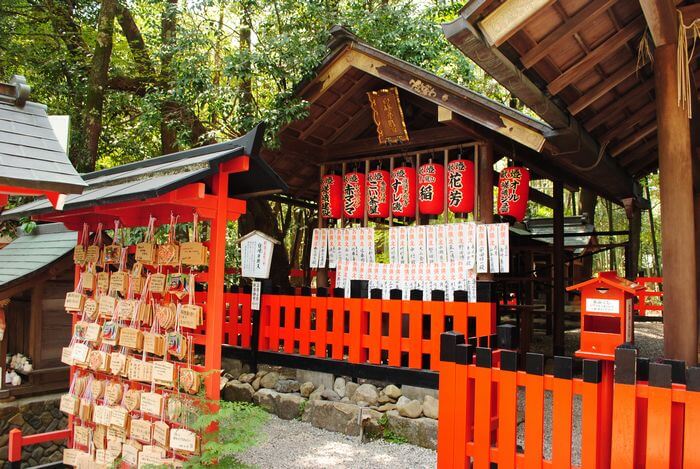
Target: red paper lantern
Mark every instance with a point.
(354, 195)
(331, 196)
(403, 192)
(378, 193)
(431, 188)
(513, 192)
(460, 186)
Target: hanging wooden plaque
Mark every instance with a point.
(193, 253)
(103, 281)
(161, 433)
(388, 116)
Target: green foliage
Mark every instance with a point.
(239, 426)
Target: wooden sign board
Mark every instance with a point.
(388, 116)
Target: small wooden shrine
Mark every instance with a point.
(36, 272)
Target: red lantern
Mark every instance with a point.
(431, 188)
(460, 186)
(331, 196)
(403, 192)
(378, 194)
(513, 192)
(354, 195)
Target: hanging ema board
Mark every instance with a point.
(256, 254)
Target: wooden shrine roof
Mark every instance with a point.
(157, 176)
(31, 254)
(30, 155)
(577, 64)
(438, 112)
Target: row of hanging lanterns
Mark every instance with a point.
(396, 193)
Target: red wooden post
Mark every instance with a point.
(320, 305)
(482, 411)
(447, 413)
(691, 450)
(414, 309)
(659, 418)
(562, 405)
(14, 454)
(393, 307)
(507, 409)
(374, 306)
(534, 410)
(303, 304)
(354, 308)
(624, 424)
(590, 415)
(336, 306)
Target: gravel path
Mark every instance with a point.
(294, 444)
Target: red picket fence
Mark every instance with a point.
(626, 424)
(654, 285)
(358, 330)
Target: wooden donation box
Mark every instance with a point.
(606, 314)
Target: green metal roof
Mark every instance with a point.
(32, 253)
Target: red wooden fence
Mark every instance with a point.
(654, 422)
(654, 285)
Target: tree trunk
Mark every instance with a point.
(611, 227)
(97, 79)
(168, 132)
(588, 201)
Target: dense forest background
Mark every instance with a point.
(141, 78)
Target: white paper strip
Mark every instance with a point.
(333, 247)
(504, 246)
(430, 243)
(420, 246)
(441, 242)
(470, 244)
(482, 262)
(471, 286)
(313, 259)
(494, 260)
(322, 247)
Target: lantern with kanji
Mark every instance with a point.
(513, 192)
(331, 196)
(378, 193)
(403, 192)
(460, 186)
(354, 195)
(431, 188)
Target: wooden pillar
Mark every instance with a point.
(634, 221)
(486, 158)
(558, 270)
(677, 213)
(588, 201)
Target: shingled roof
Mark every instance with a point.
(157, 176)
(30, 154)
(33, 253)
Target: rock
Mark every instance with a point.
(420, 432)
(333, 416)
(287, 385)
(318, 378)
(269, 381)
(330, 395)
(418, 393)
(384, 399)
(256, 384)
(317, 394)
(430, 407)
(366, 393)
(242, 392)
(403, 400)
(306, 389)
(392, 391)
(339, 387)
(350, 389)
(261, 373)
(234, 366)
(413, 409)
(386, 407)
(362, 404)
(267, 399)
(345, 399)
(247, 378)
(289, 406)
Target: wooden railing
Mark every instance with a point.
(17, 441)
(647, 417)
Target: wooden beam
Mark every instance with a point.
(651, 159)
(633, 139)
(571, 26)
(353, 127)
(690, 12)
(474, 8)
(418, 138)
(661, 19)
(639, 116)
(447, 117)
(619, 105)
(608, 83)
(597, 55)
(508, 18)
(638, 152)
(359, 84)
(558, 298)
